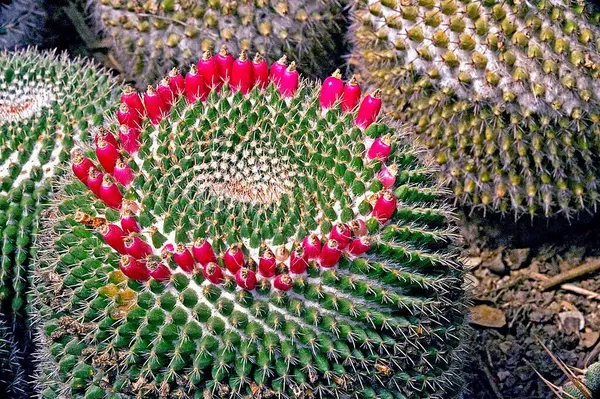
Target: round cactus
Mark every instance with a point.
(45, 102)
(150, 36)
(504, 93)
(20, 22)
(584, 387)
(264, 236)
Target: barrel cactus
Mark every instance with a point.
(150, 36)
(46, 101)
(504, 93)
(263, 236)
(20, 22)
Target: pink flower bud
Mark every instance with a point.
(225, 63)
(107, 155)
(351, 95)
(358, 227)
(277, 70)
(283, 282)
(94, 181)
(213, 273)
(298, 260)
(133, 100)
(241, 74)
(113, 236)
(195, 88)
(387, 176)
(342, 234)
(137, 247)
(385, 206)
(359, 246)
(166, 94)
(368, 110)
(155, 107)
(107, 136)
(134, 269)
(331, 90)
(110, 193)
(267, 263)
(208, 68)
(312, 246)
(81, 167)
(129, 223)
(260, 72)
(129, 117)
(130, 139)
(176, 82)
(160, 271)
(245, 278)
(203, 252)
(380, 149)
(184, 258)
(289, 81)
(330, 254)
(123, 173)
(167, 249)
(234, 259)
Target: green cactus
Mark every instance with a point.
(46, 101)
(21, 22)
(587, 387)
(151, 36)
(261, 248)
(503, 93)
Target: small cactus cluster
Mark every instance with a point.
(45, 102)
(586, 387)
(150, 36)
(20, 23)
(503, 93)
(243, 232)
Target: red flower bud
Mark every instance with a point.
(385, 206)
(107, 136)
(129, 117)
(245, 278)
(342, 234)
(234, 259)
(155, 107)
(358, 227)
(283, 282)
(298, 260)
(351, 95)
(213, 273)
(107, 155)
(330, 254)
(260, 72)
(110, 193)
(331, 90)
(277, 70)
(81, 167)
(123, 173)
(160, 271)
(208, 68)
(225, 63)
(203, 252)
(267, 263)
(359, 246)
(368, 110)
(130, 139)
(184, 258)
(94, 181)
(129, 223)
(241, 74)
(113, 236)
(134, 269)
(133, 100)
(137, 247)
(166, 94)
(195, 88)
(312, 246)
(289, 81)
(380, 149)
(176, 82)
(167, 249)
(387, 176)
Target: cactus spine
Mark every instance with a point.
(505, 94)
(20, 23)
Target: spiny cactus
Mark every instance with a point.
(585, 384)
(150, 36)
(504, 93)
(45, 102)
(252, 239)
(20, 22)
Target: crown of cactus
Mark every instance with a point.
(585, 387)
(45, 101)
(262, 237)
(153, 35)
(20, 22)
(504, 93)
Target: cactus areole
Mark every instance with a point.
(256, 252)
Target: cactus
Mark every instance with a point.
(20, 23)
(583, 386)
(265, 237)
(45, 102)
(503, 93)
(148, 37)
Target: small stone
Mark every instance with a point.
(495, 263)
(589, 338)
(517, 258)
(571, 322)
(472, 262)
(487, 316)
(503, 374)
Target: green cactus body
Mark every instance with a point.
(45, 101)
(310, 288)
(150, 37)
(504, 94)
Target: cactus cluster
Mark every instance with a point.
(261, 236)
(151, 36)
(586, 386)
(504, 93)
(20, 22)
(45, 102)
